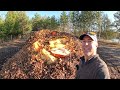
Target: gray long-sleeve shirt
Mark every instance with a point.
(95, 68)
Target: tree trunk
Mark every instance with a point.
(11, 37)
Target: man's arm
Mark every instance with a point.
(103, 73)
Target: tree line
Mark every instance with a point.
(18, 23)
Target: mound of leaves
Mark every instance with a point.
(46, 55)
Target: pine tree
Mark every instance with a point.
(63, 20)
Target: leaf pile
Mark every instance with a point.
(31, 63)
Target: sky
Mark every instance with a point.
(56, 13)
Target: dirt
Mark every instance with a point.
(110, 53)
(8, 49)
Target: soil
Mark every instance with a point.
(110, 53)
(8, 49)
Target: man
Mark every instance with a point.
(91, 65)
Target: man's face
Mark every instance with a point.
(89, 46)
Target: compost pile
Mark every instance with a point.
(46, 55)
